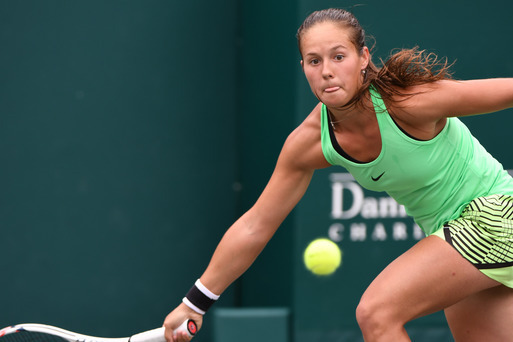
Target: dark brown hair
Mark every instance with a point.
(404, 68)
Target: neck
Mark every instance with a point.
(347, 117)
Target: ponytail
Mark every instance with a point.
(406, 68)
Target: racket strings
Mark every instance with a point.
(29, 336)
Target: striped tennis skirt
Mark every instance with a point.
(483, 235)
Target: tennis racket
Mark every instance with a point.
(48, 333)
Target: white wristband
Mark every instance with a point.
(206, 291)
(192, 306)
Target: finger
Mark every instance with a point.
(169, 335)
(181, 336)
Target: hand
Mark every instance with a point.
(176, 318)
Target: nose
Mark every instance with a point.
(326, 71)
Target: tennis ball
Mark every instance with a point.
(322, 256)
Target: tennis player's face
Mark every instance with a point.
(332, 65)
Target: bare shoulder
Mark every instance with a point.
(303, 149)
(422, 103)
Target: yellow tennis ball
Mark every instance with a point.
(322, 256)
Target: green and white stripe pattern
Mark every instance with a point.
(483, 234)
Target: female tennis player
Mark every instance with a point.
(397, 123)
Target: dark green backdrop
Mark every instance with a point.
(117, 135)
(133, 133)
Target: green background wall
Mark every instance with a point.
(134, 132)
(117, 135)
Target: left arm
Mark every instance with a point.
(477, 96)
(461, 98)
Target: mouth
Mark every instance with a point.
(331, 89)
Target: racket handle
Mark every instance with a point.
(157, 335)
(189, 326)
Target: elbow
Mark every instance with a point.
(258, 230)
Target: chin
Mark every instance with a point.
(334, 104)
(340, 103)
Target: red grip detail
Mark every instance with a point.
(192, 327)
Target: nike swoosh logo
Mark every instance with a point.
(378, 177)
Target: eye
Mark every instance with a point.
(339, 57)
(314, 61)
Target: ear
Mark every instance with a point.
(302, 65)
(365, 56)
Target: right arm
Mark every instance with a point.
(247, 237)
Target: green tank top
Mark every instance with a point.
(433, 179)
